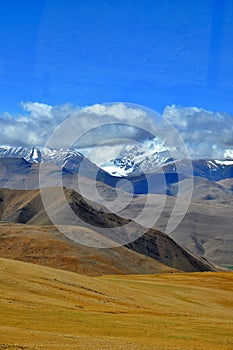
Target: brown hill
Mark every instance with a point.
(205, 230)
(227, 183)
(26, 207)
(206, 191)
(47, 246)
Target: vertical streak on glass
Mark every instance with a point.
(215, 42)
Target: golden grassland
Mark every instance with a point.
(45, 308)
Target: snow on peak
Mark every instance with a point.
(34, 156)
(138, 158)
(224, 162)
(38, 154)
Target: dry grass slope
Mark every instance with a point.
(44, 308)
(47, 246)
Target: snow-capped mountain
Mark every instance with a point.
(136, 159)
(32, 155)
(132, 161)
(153, 157)
(214, 170)
(67, 159)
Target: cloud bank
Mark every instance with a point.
(206, 134)
(38, 121)
(34, 125)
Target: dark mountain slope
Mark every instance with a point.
(26, 207)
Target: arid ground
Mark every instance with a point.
(44, 308)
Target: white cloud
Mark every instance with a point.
(34, 125)
(39, 120)
(116, 123)
(37, 109)
(205, 133)
(121, 112)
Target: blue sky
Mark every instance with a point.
(154, 53)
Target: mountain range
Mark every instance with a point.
(134, 163)
(205, 230)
